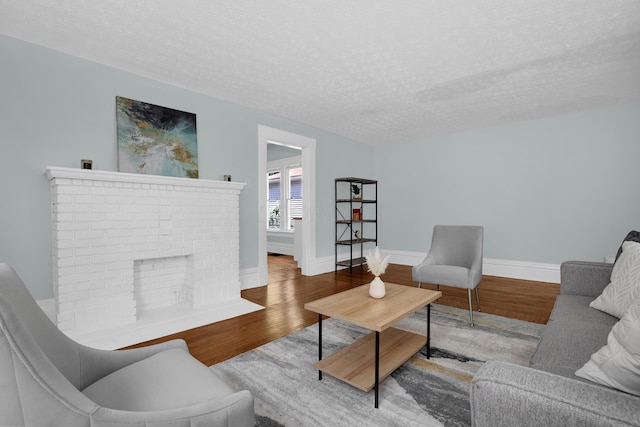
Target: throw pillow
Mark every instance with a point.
(617, 364)
(633, 236)
(624, 287)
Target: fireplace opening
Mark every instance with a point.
(163, 282)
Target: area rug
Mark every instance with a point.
(422, 392)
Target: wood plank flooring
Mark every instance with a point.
(287, 292)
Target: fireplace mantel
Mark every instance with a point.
(101, 175)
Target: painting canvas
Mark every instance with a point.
(156, 140)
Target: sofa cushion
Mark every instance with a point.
(633, 236)
(167, 380)
(576, 307)
(566, 345)
(624, 287)
(617, 364)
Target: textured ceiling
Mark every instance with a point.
(375, 71)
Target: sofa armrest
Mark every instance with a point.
(584, 278)
(503, 394)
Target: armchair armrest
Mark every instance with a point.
(475, 273)
(503, 394)
(584, 278)
(427, 261)
(95, 363)
(233, 410)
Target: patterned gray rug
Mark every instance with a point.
(422, 392)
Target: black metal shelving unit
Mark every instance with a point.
(355, 232)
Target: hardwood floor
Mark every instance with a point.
(287, 292)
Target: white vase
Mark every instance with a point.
(376, 288)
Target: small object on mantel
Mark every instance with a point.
(86, 164)
(227, 178)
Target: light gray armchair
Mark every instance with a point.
(47, 379)
(454, 259)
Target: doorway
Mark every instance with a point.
(307, 147)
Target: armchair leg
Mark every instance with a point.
(470, 307)
(477, 298)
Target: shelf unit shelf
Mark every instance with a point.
(353, 241)
(356, 200)
(357, 231)
(348, 221)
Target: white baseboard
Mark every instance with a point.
(325, 264)
(249, 278)
(524, 270)
(536, 271)
(405, 258)
(280, 248)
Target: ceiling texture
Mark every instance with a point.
(375, 71)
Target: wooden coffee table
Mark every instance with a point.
(369, 360)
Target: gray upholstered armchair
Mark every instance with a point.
(47, 379)
(454, 259)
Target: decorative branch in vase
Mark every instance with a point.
(377, 266)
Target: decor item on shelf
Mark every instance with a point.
(355, 188)
(356, 215)
(154, 140)
(86, 164)
(377, 266)
(356, 233)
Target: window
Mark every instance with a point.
(284, 194)
(295, 195)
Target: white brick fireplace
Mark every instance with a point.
(126, 246)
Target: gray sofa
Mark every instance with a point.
(547, 393)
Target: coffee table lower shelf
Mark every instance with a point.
(355, 364)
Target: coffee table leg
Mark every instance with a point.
(319, 343)
(377, 383)
(428, 331)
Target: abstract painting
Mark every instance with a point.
(154, 140)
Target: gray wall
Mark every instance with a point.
(56, 109)
(546, 190)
